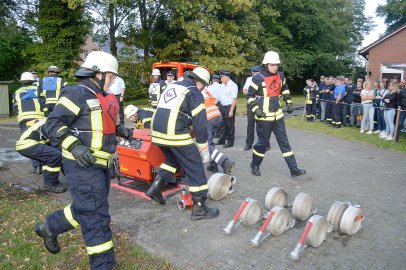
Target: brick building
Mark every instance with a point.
(386, 57)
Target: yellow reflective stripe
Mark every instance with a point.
(198, 109)
(21, 145)
(287, 154)
(96, 120)
(69, 105)
(146, 120)
(171, 137)
(253, 85)
(101, 154)
(51, 169)
(173, 115)
(99, 248)
(170, 142)
(68, 141)
(58, 88)
(286, 92)
(197, 189)
(168, 168)
(99, 160)
(30, 115)
(257, 153)
(61, 128)
(69, 217)
(289, 101)
(266, 105)
(255, 108)
(250, 100)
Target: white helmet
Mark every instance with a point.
(130, 110)
(100, 62)
(54, 69)
(271, 57)
(27, 76)
(156, 71)
(201, 74)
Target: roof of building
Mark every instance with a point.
(365, 51)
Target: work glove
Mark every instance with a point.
(290, 107)
(259, 113)
(83, 155)
(204, 153)
(123, 132)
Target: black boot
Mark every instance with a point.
(227, 165)
(297, 172)
(201, 211)
(155, 190)
(255, 170)
(212, 167)
(50, 240)
(57, 188)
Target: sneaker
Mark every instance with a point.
(377, 131)
(369, 132)
(362, 131)
(389, 138)
(383, 136)
(382, 133)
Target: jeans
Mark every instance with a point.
(389, 115)
(368, 115)
(380, 118)
(323, 110)
(356, 109)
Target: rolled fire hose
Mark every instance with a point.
(303, 206)
(276, 197)
(318, 231)
(280, 222)
(313, 235)
(252, 213)
(335, 214)
(351, 220)
(220, 185)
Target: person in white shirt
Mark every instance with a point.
(117, 88)
(170, 78)
(215, 87)
(228, 100)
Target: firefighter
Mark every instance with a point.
(156, 88)
(28, 108)
(263, 99)
(311, 93)
(34, 144)
(330, 100)
(141, 117)
(50, 88)
(84, 123)
(213, 121)
(339, 93)
(181, 106)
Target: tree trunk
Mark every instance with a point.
(112, 31)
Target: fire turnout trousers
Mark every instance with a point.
(345, 113)
(329, 112)
(227, 126)
(50, 157)
(264, 130)
(89, 210)
(337, 114)
(188, 158)
(215, 154)
(23, 127)
(250, 127)
(311, 110)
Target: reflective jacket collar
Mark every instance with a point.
(265, 72)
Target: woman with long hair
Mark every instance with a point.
(389, 112)
(367, 96)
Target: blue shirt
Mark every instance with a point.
(339, 90)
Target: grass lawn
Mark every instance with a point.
(349, 133)
(21, 248)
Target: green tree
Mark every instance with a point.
(394, 13)
(62, 31)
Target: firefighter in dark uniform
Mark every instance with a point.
(34, 143)
(330, 100)
(311, 93)
(263, 98)
(28, 108)
(50, 88)
(141, 117)
(156, 88)
(84, 123)
(181, 106)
